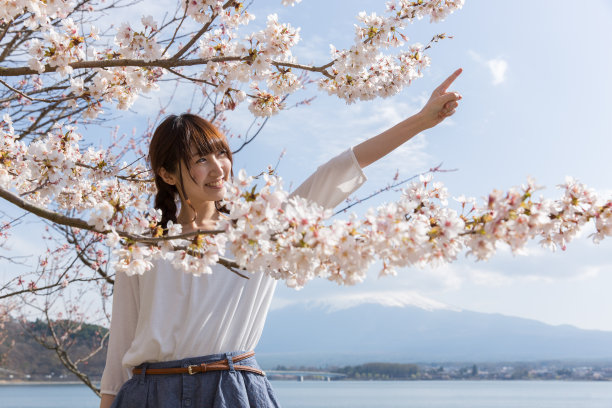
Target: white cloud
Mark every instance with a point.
(281, 302)
(445, 278)
(534, 264)
(482, 277)
(453, 277)
(496, 66)
(590, 272)
(503, 270)
(532, 250)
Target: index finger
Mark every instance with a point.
(448, 81)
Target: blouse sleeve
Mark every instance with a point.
(334, 181)
(123, 328)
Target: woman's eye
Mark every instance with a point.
(219, 153)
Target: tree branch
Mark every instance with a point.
(36, 99)
(63, 356)
(159, 63)
(44, 213)
(61, 219)
(322, 69)
(178, 26)
(6, 28)
(193, 39)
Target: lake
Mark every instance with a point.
(362, 394)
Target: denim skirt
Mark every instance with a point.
(213, 389)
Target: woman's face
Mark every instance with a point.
(208, 176)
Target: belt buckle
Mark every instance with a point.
(191, 368)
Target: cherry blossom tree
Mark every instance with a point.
(60, 72)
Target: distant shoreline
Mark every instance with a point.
(23, 382)
(18, 382)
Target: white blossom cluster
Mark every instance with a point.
(139, 44)
(514, 218)
(200, 10)
(110, 84)
(363, 72)
(438, 10)
(262, 60)
(40, 12)
(57, 49)
(261, 52)
(120, 84)
(294, 240)
(195, 255)
(271, 228)
(55, 172)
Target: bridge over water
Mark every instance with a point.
(301, 374)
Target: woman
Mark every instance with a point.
(184, 340)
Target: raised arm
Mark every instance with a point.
(441, 105)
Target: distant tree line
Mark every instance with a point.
(381, 371)
(30, 352)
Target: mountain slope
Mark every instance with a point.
(307, 334)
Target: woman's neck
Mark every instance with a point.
(204, 217)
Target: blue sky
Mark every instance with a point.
(535, 88)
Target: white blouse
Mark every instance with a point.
(167, 315)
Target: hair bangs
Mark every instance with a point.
(203, 137)
(206, 140)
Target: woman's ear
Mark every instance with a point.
(168, 177)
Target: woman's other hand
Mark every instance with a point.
(442, 103)
(107, 400)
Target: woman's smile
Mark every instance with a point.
(218, 184)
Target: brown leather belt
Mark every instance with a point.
(220, 365)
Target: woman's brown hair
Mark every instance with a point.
(176, 140)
